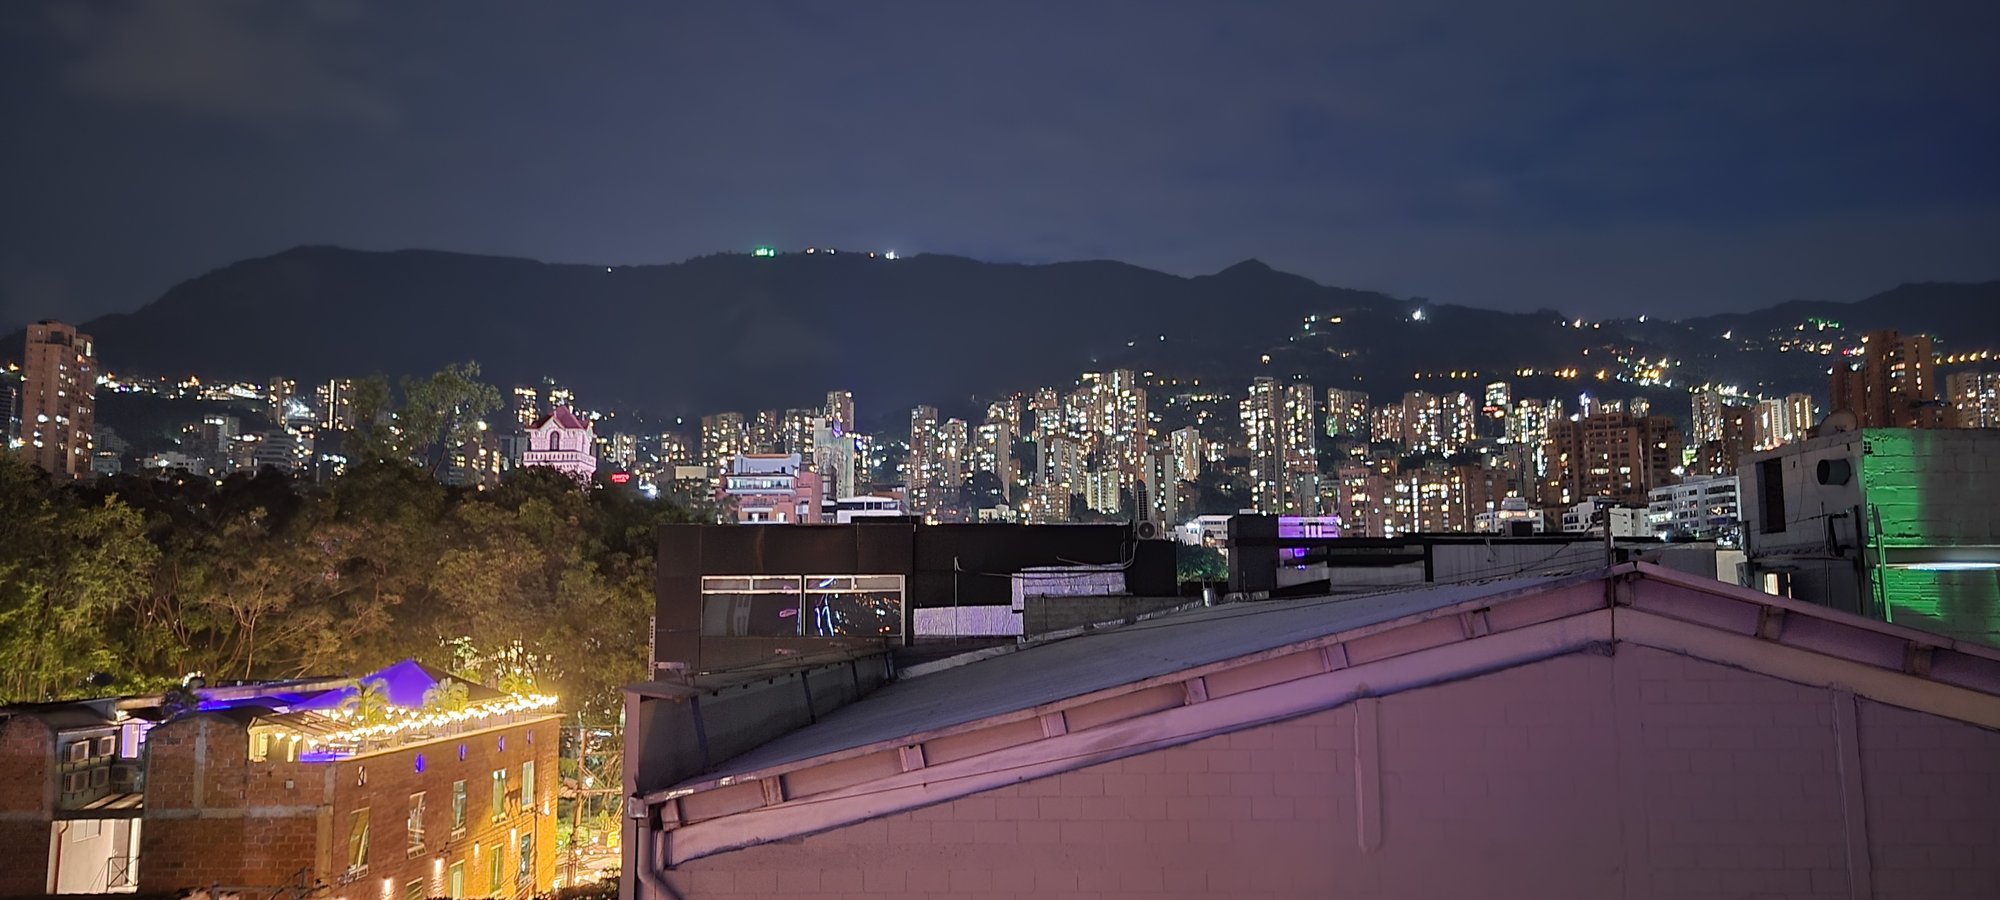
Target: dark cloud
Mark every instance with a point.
(1586, 156)
(234, 59)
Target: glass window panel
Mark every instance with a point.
(750, 606)
(853, 606)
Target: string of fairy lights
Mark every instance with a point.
(405, 720)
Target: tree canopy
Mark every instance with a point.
(130, 584)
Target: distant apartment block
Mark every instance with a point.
(59, 399)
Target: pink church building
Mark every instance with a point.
(565, 442)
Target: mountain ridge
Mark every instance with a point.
(736, 331)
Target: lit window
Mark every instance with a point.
(499, 794)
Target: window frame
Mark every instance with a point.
(358, 836)
(413, 825)
(499, 795)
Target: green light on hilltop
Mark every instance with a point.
(763, 251)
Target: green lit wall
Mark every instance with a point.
(1936, 488)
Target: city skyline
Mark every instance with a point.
(1292, 449)
(1120, 445)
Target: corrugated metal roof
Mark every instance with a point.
(1080, 665)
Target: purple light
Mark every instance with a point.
(420, 764)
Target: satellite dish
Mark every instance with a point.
(1838, 422)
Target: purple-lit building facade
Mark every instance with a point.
(415, 790)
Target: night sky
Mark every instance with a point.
(1584, 156)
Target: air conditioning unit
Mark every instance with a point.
(1149, 531)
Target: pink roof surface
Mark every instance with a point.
(563, 418)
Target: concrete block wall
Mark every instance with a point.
(1041, 615)
(1932, 786)
(1938, 488)
(1934, 486)
(1640, 775)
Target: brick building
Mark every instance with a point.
(1892, 385)
(1613, 454)
(285, 785)
(1627, 732)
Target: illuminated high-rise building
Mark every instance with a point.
(559, 395)
(1385, 423)
(59, 399)
(335, 400)
(1100, 491)
(954, 448)
(1277, 427)
(279, 393)
(1736, 436)
(1709, 408)
(10, 408)
(1429, 499)
(1499, 401)
(1799, 418)
(1438, 423)
(1528, 424)
(1185, 446)
(1364, 500)
(767, 431)
(1158, 491)
(993, 451)
(1300, 448)
(839, 411)
(1257, 418)
(1062, 464)
(795, 432)
(1782, 421)
(923, 467)
(1893, 385)
(1974, 398)
(1047, 410)
(1107, 413)
(1346, 413)
(527, 407)
(1006, 412)
(1770, 423)
(1616, 455)
(723, 437)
